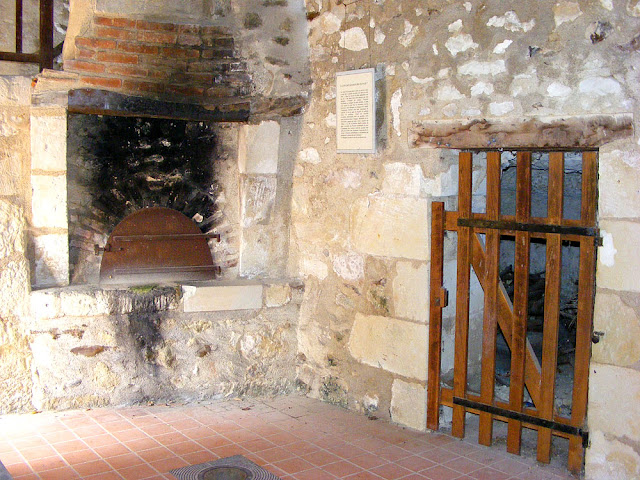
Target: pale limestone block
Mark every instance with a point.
(349, 266)
(614, 395)
(12, 233)
(277, 295)
(409, 404)
(621, 327)
(460, 43)
(402, 179)
(609, 459)
(621, 255)
(394, 345)
(14, 288)
(222, 298)
(15, 90)
(566, 12)
(258, 197)
(411, 291)
(313, 267)
(49, 201)
(45, 305)
(51, 260)
(619, 177)
(391, 227)
(633, 8)
(354, 39)
(49, 142)
(258, 147)
(104, 377)
(84, 304)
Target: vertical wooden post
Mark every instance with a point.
(492, 280)
(586, 284)
(46, 34)
(18, 26)
(520, 300)
(436, 304)
(551, 304)
(462, 294)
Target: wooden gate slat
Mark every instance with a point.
(505, 321)
(553, 280)
(520, 301)
(586, 283)
(435, 314)
(462, 293)
(492, 280)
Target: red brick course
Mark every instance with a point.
(186, 62)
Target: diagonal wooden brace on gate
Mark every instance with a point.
(505, 321)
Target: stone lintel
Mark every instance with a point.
(570, 132)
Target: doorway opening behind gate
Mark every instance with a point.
(512, 286)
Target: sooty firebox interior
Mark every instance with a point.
(118, 166)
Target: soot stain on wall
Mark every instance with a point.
(118, 165)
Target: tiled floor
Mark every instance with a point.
(293, 437)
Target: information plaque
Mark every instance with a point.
(355, 105)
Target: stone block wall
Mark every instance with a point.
(15, 355)
(94, 347)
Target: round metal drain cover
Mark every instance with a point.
(226, 473)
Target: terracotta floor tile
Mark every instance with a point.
(59, 436)
(342, 468)
(108, 451)
(440, 473)
(488, 473)
(137, 472)
(38, 452)
(321, 457)
(100, 441)
(391, 471)
(47, 463)
(229, 451)
(92, 468)
(275, 454)
(70, 446)
(313, 474)
(363, 476)
(66, 473)
(463, 465)
(105, 476)
(157, 429)
(197, 458)
(129, 435)
(89, 431)
(124, 461)
(185, 448)
(415, 463)
(294, 465)
(368, 460)
(163, 466)
(170, 438)
(214, 442)
(155, 454)
(141, 444)
(18, 469)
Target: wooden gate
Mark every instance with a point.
(478, 248)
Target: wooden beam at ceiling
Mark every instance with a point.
(539, 133)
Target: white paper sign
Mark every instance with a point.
(356, 111)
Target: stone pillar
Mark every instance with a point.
(49, 197)
(614, 376)
(15, 367)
